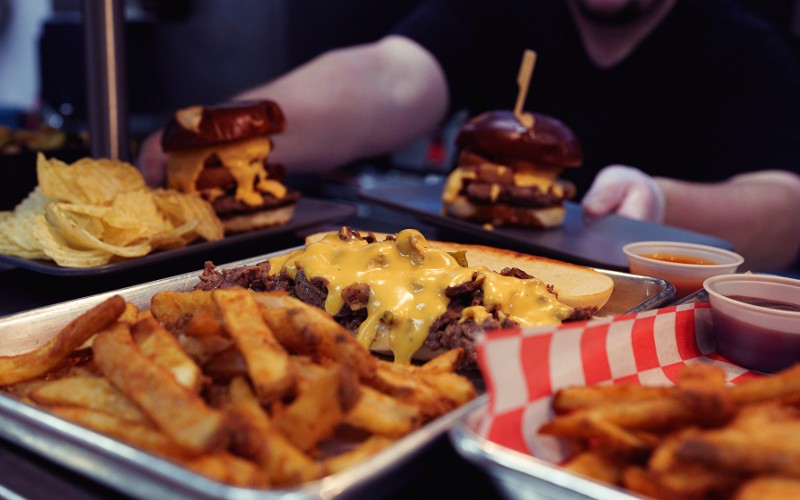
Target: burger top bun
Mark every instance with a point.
(204, 126)
(501, 137)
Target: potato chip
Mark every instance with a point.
(56, 248)
(181, 207)
(79, 238)
(95, 181)
(98, 210)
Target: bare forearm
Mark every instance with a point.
(356, 102)
(759, 213)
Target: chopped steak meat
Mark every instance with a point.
(448, 331)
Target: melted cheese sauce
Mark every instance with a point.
(244, 159)
(407, 279)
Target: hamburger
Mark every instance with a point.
(220, 152)
(507, 171)
(412, 299)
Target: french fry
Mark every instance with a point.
(256, 437)
(267, 360)
(597, 465)
(139, 435)
(155, 342)
(308, 330)
(228, 468)
(43, 359)
(95, 393)
(764, 487)
(178, 412)
(383, 415)
(369, 447)
(403, 383)
(579, 397)
(317, 409)
(781, 385)
(169, 307)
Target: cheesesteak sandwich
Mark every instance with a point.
(508, 168)
(220, 152)
(412, 298)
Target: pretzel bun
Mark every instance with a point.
(205, 126)
(508, 168)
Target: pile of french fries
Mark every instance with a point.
(249, 389)
(701, 438)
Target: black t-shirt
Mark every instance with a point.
(710, 93)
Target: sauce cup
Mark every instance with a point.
(684, 265)
(756, 319)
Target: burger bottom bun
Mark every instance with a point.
(258, 220)
(499, 214)
(380, 345)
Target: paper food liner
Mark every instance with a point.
(523, 368)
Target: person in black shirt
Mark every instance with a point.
(688, 111)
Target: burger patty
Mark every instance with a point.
(521, 196)
(448, 331)
(215, 176)
(228, 205)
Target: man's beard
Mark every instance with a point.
(633, 11)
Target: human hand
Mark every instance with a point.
(626, 191)
(152, 160)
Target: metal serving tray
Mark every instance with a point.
(141, 475)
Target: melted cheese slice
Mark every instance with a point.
(407, 280)
(545, 181)
(244, 159)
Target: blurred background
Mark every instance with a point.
(183, 52)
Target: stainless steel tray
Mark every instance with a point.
(141, 475)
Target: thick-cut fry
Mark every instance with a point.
(577, 397)
(141, 436)
(769, 487)
(95, 393)
(178, 412)
(317, 409)
(228, 468)
(597, 465)
(48, 356)
(777, 386)
(361, 452)
(155, 342)
(401, 382)
(308, 330)
(256, 437)
(169, 307)
(267, 360)
(383, 415)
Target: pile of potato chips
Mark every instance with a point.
(96, 211)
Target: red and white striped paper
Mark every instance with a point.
(523, 368)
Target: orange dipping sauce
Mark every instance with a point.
(679, 259)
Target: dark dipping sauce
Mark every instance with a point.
(771, 304)
(756, 346)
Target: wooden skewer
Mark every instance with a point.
(524, 80)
